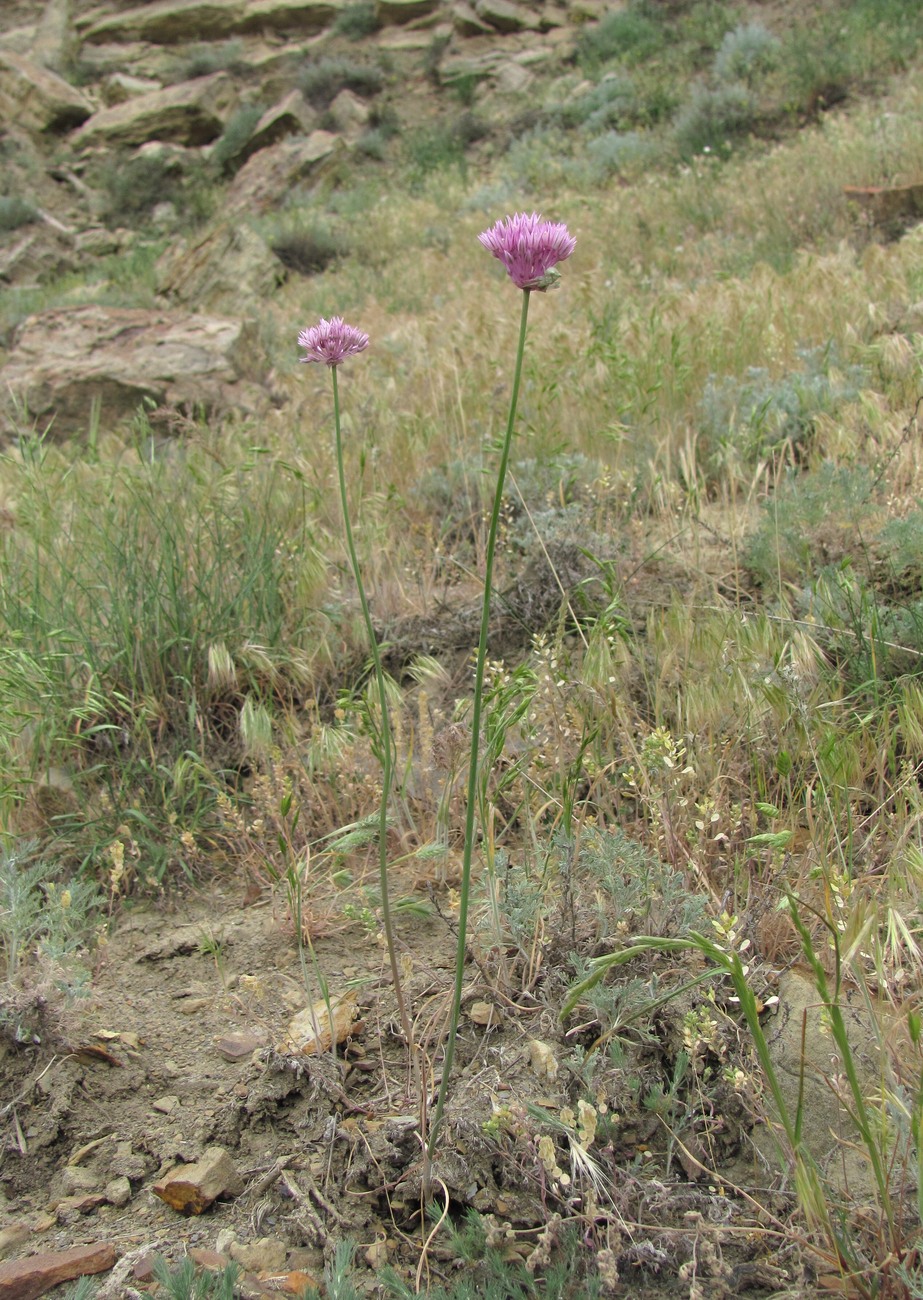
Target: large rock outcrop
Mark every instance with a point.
(64, 360)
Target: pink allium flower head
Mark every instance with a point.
(331, 341)
(530, 248)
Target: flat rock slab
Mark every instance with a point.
(62, 360)
(191, 113)
(167, 22)
(38, 99)
(302, 16)
(24, 1279)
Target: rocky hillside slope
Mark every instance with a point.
(127, 123)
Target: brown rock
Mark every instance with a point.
(888, 209)
(38, 99)
(24, 1279)
(191, 113)
(191, 1189)
(64, 359)
(239, 1047)
(121, 87)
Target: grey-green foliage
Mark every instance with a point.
(713, 117)
(203, 60)
(611, 103)
(758, 414)
(16, 212)
(356, 21)
(83, 1289)
(636, 887)
(632, 35)
(339, 1283)
(746, 53)
(228, 149)
(307, 245)
(813, 520)
(489, 1273)
(620, 153)
(902, 541)
(323, 79)
(184, 1283)
(38, 915)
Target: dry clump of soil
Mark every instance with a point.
(182, 1047)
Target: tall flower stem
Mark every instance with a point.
(387, 739)
(474, 761)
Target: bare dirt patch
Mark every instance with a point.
(181, 1048)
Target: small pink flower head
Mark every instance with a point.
(331, 341)
(530, 249)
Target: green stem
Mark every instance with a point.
(387, 740)
(473, 765)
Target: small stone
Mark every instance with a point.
(239, 1047)
(76, 1180)
(191, 1189)
(485, 1013)
(225, 1241)
(377, 1254)
(266, 1255)
(166, 1105)
(118, 1191)
(542, 1059)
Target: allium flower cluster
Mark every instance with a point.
(331, 341)
(530, 248)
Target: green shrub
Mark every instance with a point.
(630, 36)
(813, 520)
(322, 81)
(610, 105)
(133, 188)
(357, 21)
(308, 248)
(203, 60)
(442, 144)
(16, 212)
(714, 117)
(749, 418)
(238, 129)
(617, 153)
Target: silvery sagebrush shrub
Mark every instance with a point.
(747, 52)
